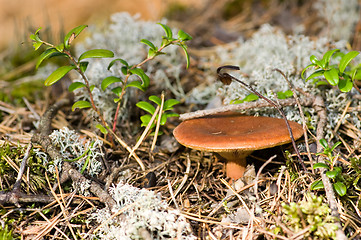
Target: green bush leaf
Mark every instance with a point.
(317, 185)
(168, 105)
(345, 84)
(116, 60)
(58, 74)
(37, 45)
(72, 34)
(332, 174)
(315, 60)
(149, 43)
(156, 100)
(108, 81)
(167, 30)
(327, 57)
(184, 36)
(143, 76)
(97, 53)
(102, 129)
(46, 54)
(35, 36)
(331, 76)
(76, 85)
(145, 120)
(184, 47)
(315, 74)
(117, 91)
(346, 59)
(146, 106)
(284, 95)
(324, 143)
(304, 70)
(80, 105)
(320, 165)
(340, 188)
(83, 66)
(135, 84)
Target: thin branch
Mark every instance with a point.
(319, 106)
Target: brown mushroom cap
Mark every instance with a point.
(231, 131)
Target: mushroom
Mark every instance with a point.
(234, 136)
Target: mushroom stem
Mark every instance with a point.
(235, 163)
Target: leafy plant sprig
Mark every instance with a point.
(164, 115)
(334, 173)
(335, 74)
(129, 70)
(63, 49)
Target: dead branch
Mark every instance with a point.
(243, 106)
(42, 138)
(319, 106)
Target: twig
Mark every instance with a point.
(158, 123)
(22, 169)
(319, 106)
(68, 171)
(302, 115)
(243, 106)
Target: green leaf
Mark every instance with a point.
(345, 84)
(171, 114)
(80, 105)
(335, 145)
(331, 76)
(116, 60)
(60, 47)
(315, 60)
(108, 81)
(167, 30)
(327, 57)
(58, 74)
(340, 188)
(168, 105)
(315, 74)
(317, 185)
(184, 47)
(304, 70)
(72, 34)
(332, 174)
(76, 85)
(135, 84)
(145, 120)
(142, 75)
(37, 45)
(149, 43)
(324, 143)
(91, 87)
(83, 66)
(184, 36)
(117, 91)
(156, 100)
(97, 53)
(46, 54)
(346, 59)
(146, 106)
(102, 128)
(320, 165)
(35, 36)
(284, 95)
(163, 119)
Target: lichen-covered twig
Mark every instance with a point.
(243, 106)
(319, 106)
(42, 138)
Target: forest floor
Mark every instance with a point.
(273, 200)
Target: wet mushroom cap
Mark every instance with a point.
(231, 131)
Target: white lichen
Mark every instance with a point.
(141, 210)
(71, 145)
